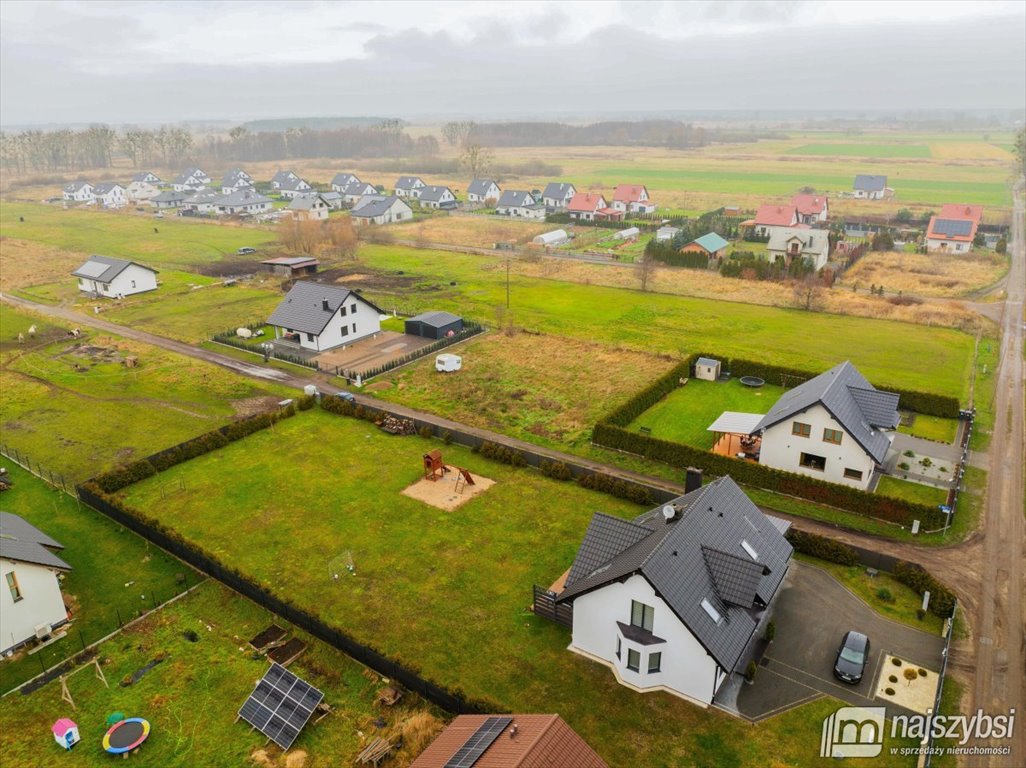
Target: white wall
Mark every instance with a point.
(142, 190)
(364, 322)
(686, 669)
(133, 279)
(41, 602)
(782, 450)
(947, 245)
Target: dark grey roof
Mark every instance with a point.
(103, 269)
(344, 179)
(407, 182)
(698, 556)
(515, 198)
(234, 176)
(375, 207)
(359, 188)
(203, 196)
(436, 319)
(480, 186)
(302, 309)
(104, 187)
(305, 202)
(869, 183)
(706, 361)
(558, 190)
(433, 194)
(23, 542)
(77, 185)
(858, 407)
(294, 184)
(281, 177)
(168, 197)
(243, 197)
(141, 176)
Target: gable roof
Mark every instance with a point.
(186, 176)
(541, 741)
(105, 186)
(809, 204)
(103, 269)
(344, 179)
(558, 190)
(168, 197)
(515, 199)
(302, 309)
(408, 182)
(281, 177)
(143, 176)
(815, 241)
(433, 194)
(359, 188)
(480, 186)
(775, 215)
(23, 542)
(77, 185)
(711, 242)
(868, 183)
(587, 201)
(956, 230)
(306, 202)
(297, 184)
(858, 407)
(244, 196)
(376, 206)
(961, 211)
(697, 556)
(629, 193)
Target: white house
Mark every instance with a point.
(110, 277)
(520, 204)
(78, 192)
(557, 196)
(244, 202)
(167, 200)
(333, 199)
(380, 210)
(31, 604)
(352, 193)
(867, 187)
(309, 207)
(148, 176)
(672, 600)
(319, 317)
(812, 209)
(110, 194)
(770, 216)
(292, 187)
(343, 180)
(483, 189)
(407, 186)
(790, 244)
(204, 201)
(235, 180)
(190, 180)
(436, 197)
(282, 177)
(836, 427)
(633, 198)
(954, 230)
(592, 206)
(140, 189)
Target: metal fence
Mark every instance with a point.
(545, 605)
(949, 630)
(56, 479)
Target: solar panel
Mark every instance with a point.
(952, 227)
(477, 744)
(280, 705)
(93, 269)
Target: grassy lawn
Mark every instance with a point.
(540, 388)
(684, 415)
(904, 489)
(412, 560)
(932, 428)
(114, 571)
(863, 150)
(72, 405)
(192, 696)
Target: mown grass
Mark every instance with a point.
(192, 696)
(932, 428)
(448, 592)
(115, 574)
(905, 489)
(862, 150)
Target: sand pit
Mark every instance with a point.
(442, 493)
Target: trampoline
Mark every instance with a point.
(752, 381)
(125, 736)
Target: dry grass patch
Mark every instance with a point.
(928, 274)
(26, 263)
(474, 232)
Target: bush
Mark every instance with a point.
(750, 671)
(896, 661)
(306, 402)
(447, 437)
(426, 432)
(771, 631)
(889, 691)
(616, 487)
(885, 595)
(557, 470)
(892, 678)
(942, 599)
(815, 545)
(920, 614)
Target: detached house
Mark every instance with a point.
(588, 206)
(206, 201)
(955, 228)
(712, 245)
(310, 207)
(868, 187)
(520, 204)
(380, 210)
(140, 189)
(190, 180)
(292, 187)
(790, 244)
(812, 209)
(244, 202)
(235, 180)
(557, 196)
(836, 427)
(282, 177)
(673, 600)
(481, 190)
(407, 186)
(343, 180)
(110, 277)
(632, 198)
(110, 194)
(148, 176)
(78, 192)
(31, 603)
(352, 193)
(319, 317)
(167, 200)
(770, 216)
(436, 197)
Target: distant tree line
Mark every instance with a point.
(92, 147)
(645, 133)
(387, 139)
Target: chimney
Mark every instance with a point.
(324, 305)
(693, 480)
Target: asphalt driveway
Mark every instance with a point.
(812, 613)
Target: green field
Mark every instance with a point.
(425, 587)
(932, 428)
(904, 489)
(863, 150)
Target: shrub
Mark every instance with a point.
(771, 631)
(750, 671)
(556, 470)
(447, 437)
(892, 678)
(822, 547)
(896, 661)
(921, 672)
(942, 599)
(905, 466)
(426, 432)
(889, 691)
(306, 402)
(920, 614)
(885, 595)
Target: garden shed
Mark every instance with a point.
(707, 369)
(434, 325)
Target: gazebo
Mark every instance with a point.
(735, 435)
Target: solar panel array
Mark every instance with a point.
(93, 268)
(478, 744)
(280, 705)
(952, 227)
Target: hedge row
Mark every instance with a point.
(815, 545)
(639, 494)
(650, 395)
(501, 453)
(942, 599)
(469, 329)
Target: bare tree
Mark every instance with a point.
(457, 133)
(341, 235)
(808, 294)
(647, 269)
(476, 160)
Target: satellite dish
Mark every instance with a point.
(669, 512)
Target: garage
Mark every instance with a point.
(434, 325)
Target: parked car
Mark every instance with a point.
(852, 657)
(347, 396)
(246, 251)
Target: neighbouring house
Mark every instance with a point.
(235, 180)
(770, 216)
(168, 200)
(673, 601)
(519, 203)
(433, 325)
(712, 245)
(317, 317)
(436, 197)
(665, 234)
(148, 176)
(140, 189)
(309, 207)
(867, 187)
(110, 194)
(407, 186)
(282, 177)
(343, 180)
(812, 209)
(204, 202)
(293, 187)
(352, 193)
(790, 244)
(556, 196)
(951, 235)
(707, 369)
(78, 192)
(836, 427)
(481, 190)
(334, 199)
(381, 211)
(190, 180)
(245, 202)
(508, 741)
(31, 603)
(633, 198)
(113, 278)
(552, 239)
(292, 266)
(592, 206)
(962, 211)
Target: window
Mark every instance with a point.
(342, 311)
(802, 430)
(852, 474)
(633, 660)
(618, 647)
(655, 661)
(354, 327)
(12, 584)
(642, 615)
(832, 436)
(749, 549)
(133, 283)
(309, 337)
(811, 461)
(344, 330)
(711, 610)
(353, 309)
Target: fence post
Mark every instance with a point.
(120, 622)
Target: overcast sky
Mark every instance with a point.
(158, 61)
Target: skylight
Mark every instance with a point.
(711, 610)
(749, 549)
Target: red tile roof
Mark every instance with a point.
(960, 211)
(541, 741)
(629, 193)
(775, 215)
(586, 201)
(808, 205)
(609, 213)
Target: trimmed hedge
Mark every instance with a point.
(615, 487)
(815, 545)
(913, 575)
